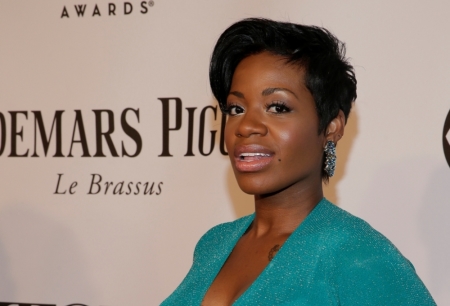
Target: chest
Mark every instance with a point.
(243, 266)
(300, 274)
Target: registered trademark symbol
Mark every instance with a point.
(151, 3)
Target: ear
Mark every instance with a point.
(335, 129)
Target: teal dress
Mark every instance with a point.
(332, 258)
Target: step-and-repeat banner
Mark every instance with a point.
(112, 161)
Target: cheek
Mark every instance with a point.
(300, 143)
(229, 136)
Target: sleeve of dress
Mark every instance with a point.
(376, 273)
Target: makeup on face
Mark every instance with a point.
(271, 132)
(251, 158)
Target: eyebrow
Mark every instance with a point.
(237, 94)
(271, 90)
(265, 92)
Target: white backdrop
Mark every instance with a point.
(112, 249)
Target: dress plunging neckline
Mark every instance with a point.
(332, 258)
(233, 242)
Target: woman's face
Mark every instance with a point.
(272, 129)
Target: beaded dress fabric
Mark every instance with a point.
(332, 258)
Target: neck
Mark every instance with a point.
(282, 212)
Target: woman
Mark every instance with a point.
(287, 90)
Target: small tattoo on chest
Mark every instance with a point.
(273, 251)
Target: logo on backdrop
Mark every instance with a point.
(50, 139)
(105, 141)
(446, 138)
(106, 9)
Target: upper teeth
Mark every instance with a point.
(255, 154)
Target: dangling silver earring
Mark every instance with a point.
(330, 158)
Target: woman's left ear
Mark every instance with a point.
(335, 129)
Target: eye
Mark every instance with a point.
(278, 107)
(234, 109)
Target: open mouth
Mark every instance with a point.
(252, 156)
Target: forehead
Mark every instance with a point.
(266, 69)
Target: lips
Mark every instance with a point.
(252, 158)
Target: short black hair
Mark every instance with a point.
(328, 75)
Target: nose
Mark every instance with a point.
(251, 123)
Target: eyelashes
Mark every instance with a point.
(278, 107)
(275, 107)
(233, 109)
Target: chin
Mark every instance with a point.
(254, 184)
(256, 187)
(252, 187)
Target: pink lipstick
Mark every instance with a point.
(252, 158)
